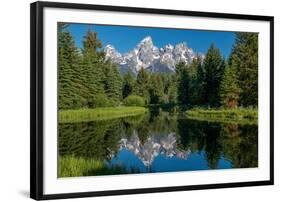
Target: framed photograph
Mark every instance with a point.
(131, 100)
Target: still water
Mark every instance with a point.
(161, 141)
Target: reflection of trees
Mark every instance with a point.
(240, 145)
(91, 139)
(101, 140)
(213, 147)
(201, 136)
(237, 143)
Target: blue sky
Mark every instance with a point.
(125, 38)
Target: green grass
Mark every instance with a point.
(70, 166)
(239, 115)
(98, 114)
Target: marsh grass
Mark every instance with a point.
(239, 115)
(71, 166)
(98, 114)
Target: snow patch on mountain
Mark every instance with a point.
(146, 55)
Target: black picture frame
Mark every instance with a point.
(36, 98)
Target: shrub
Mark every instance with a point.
(134, 100)
(100, 101)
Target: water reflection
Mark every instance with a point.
(161, 142)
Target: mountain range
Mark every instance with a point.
(146, 55)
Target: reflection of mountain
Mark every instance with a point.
(141, 136)
(154, 145)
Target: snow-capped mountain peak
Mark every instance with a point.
(146, 55)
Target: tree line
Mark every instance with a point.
(88, 80)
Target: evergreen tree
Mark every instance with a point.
(142, 84)
(68, 65)
(199, 89)
(170, 88)
(229, 89)
(128, 84)
(244, 58)
(214, 69)
(183, 83)
(156, 90)
(93, 63)
(113, 82)
(172, 94)
(194, 82)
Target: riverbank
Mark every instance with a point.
(239, 115)
(70, 166)
(98, 114)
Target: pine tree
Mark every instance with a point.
(244, 58)
(156, 90)
(93, 62)
(142, 84)
(229, 89)
(194, 85)
(170, 88)
(183, 83)
(128, 84)
(113, 82)
(172, 94)
(199, 94)
(214, 68)
(68, 65)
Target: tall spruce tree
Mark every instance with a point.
(183, 83)
(93, 63)
(156, 90)
(113, 82)
(244, 58)
(142, 85)
(199, 94)
(170, 88)
(128, 84)
(68, 64)
(194, 85)
(214, 68)
(229, 88)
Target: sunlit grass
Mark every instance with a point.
(97, 114)
(238, 115)
(70, 166)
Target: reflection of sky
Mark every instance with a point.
(162, 163)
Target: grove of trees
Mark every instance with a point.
(88, 80)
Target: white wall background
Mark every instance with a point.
(14, 100)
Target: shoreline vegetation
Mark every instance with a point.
(99, 114)
(71, 166)
(92, 87)
(238, 115)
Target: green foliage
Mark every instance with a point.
(88, 80)
(182, 71)
(142, 84)
(128, 84)
(101, 113)
(92, 67)
(134, 100)
(71, 166)
(214, 68)
(113, 83)
(238, 115)
(229, 89)
(68, 63)
(244, 58)
(100, 100)
(156, 89)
